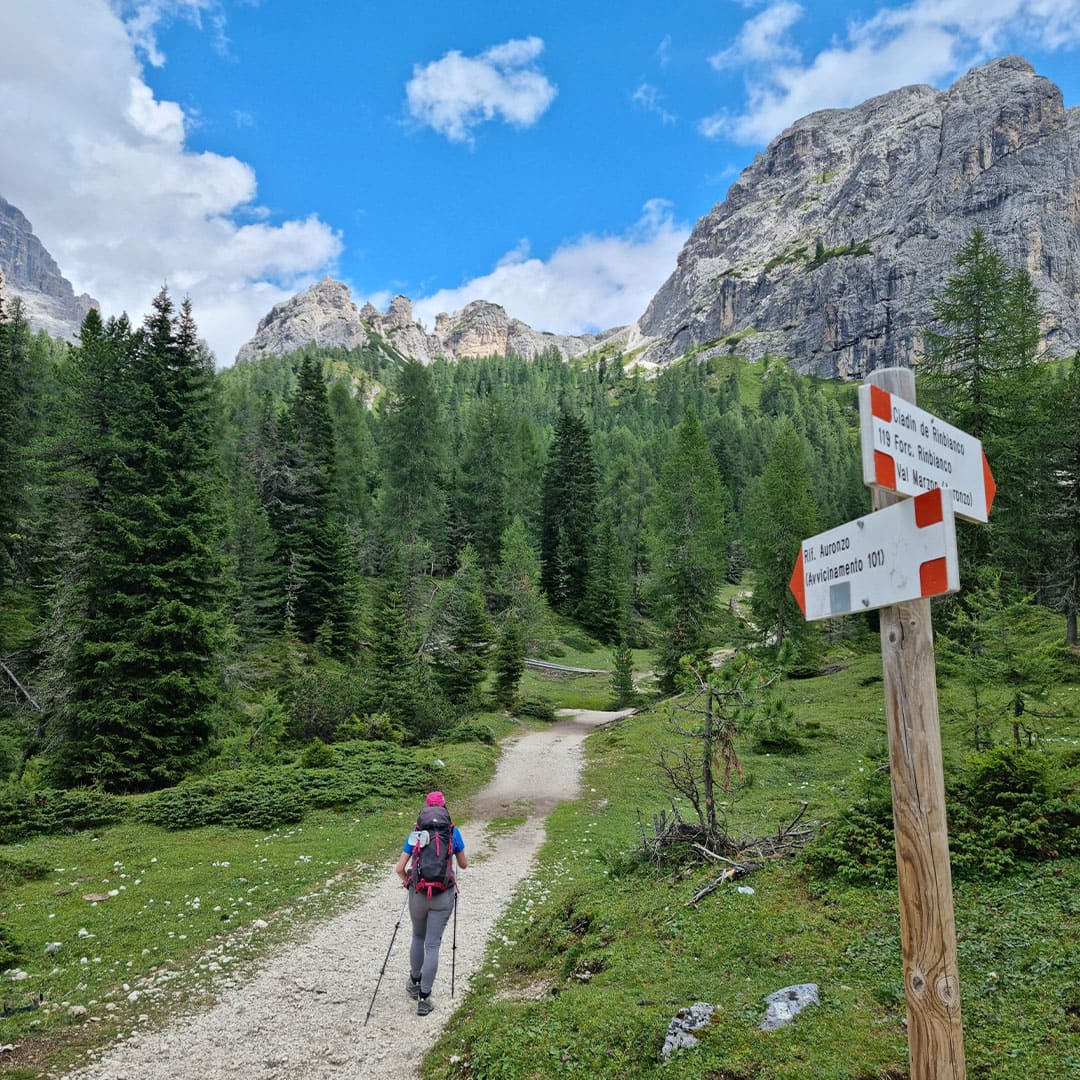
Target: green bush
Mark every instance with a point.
(471, 731)
(536, 708)
(375, 726)
(25, 813)
(263, 807)
(1006, 806)
(184, 807)
(317, 755)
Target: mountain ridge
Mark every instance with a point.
(326, 315)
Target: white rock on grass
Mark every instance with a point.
(782, 1006)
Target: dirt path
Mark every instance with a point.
(302, 1015)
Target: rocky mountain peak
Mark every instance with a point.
(830, 247)
(30, 273)
(326, 315)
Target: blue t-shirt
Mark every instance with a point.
(458, 844)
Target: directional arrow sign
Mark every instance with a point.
(904, 552)
(908, 450)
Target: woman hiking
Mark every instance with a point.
(432, 847)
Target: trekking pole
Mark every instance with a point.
(387, 960)
(453, 949)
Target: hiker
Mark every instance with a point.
(432, 891)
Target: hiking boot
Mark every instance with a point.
(423, 1005)
(412, 988)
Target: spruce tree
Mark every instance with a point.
(517, 582)
(568, 514)
(144, 595)
(461, 633)
(394, 675)
(412, 441)
(312, 538)
(509, 660)
(605, 605)
(622, 675)
(481, 494)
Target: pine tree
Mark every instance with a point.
(780, 515)
(517, 582)
(689, 534)
(980, 374)
(10, 490)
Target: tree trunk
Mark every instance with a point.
(706, 765)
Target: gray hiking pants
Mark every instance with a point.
(429, 919)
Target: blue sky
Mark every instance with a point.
(549, 157)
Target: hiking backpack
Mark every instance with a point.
(433, 858)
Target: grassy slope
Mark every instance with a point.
(183, 912)
(595, 957)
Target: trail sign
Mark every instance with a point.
(905, 552)
(908, 450)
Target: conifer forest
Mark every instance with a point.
(203, 568)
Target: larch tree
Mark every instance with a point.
(689, 537)
(781, 514)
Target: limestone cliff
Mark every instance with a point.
(31, 274)
(830, 247)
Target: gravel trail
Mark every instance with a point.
(302, 1014)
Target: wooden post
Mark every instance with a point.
(924, 877)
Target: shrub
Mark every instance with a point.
(536, 708)
(1006, 806)
(471, 731)
(317, 755)
(25, 813)
(375, 726)
(263, 807)
(181, 807)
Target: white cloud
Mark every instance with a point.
(649, 98)
(143, 17)
(592, 283)
(761, 38)
(927, 41)
(103, 173)
(455, 94)
(663, 51)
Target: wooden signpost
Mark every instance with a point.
(895, 559)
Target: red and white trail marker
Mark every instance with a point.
(908, 450)
(905, 552)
